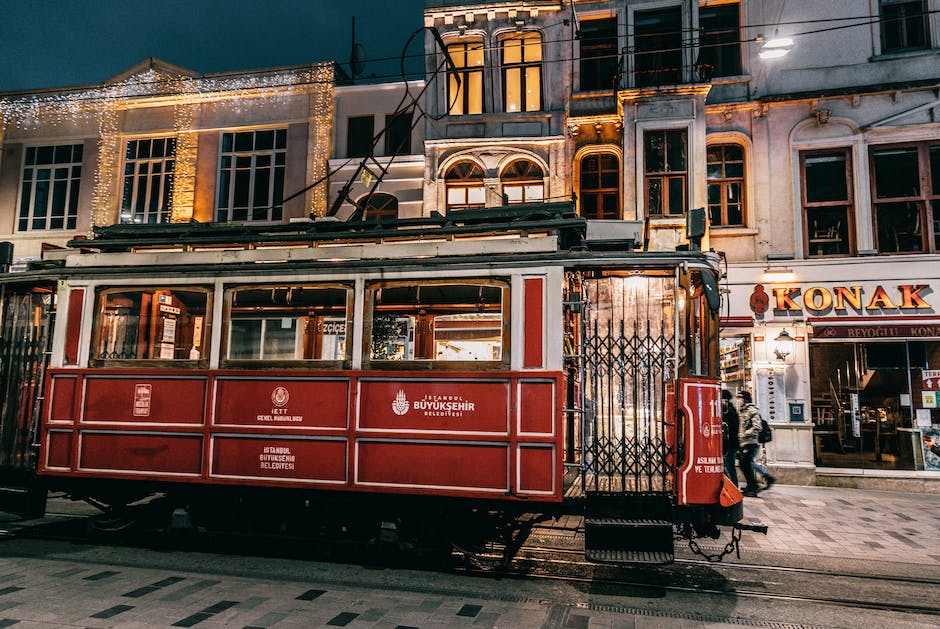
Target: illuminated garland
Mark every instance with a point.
(105, 105)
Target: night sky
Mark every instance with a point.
(60, 43)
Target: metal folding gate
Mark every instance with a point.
(24, 345)
(629, 348)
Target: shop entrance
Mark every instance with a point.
(868, 407)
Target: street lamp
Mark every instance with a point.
(775, 48)
(783, 345)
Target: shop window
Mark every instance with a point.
(458, 322)
(599, 54)
(148, 180)
(720, 40)
(658, 47)
(522, 72)
(360, 133)
(150, 324)
(903, 25)
(665, 159)
(398, 133)
(726, 185)
(906, 195)
(827, 202)
(379, 207)
(599, 186)
(286, 323)
(867, 404)
(251, 176)
(465, 83)
(52, 177)
(523, 182)
(464, 184)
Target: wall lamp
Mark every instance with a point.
(775, 48)
(778, 274)
(783, 345)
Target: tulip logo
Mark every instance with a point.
(400, 405)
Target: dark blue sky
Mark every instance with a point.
(59, 43)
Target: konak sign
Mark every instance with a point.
(842, 300)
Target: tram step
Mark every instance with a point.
(625, 523)
(629, 556)
(640, 535)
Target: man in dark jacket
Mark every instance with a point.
(729, 441)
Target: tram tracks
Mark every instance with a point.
(685, 576)
(689, 576)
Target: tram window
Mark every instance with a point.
(150, 324)
(450, 322)
(286, 323)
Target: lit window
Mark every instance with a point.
(459, 321)
(465, 83)
(153, 324)
(285, 323)
(903, 25)
(522, 72)
(464, 182)
(827, 201)
(725, 185)
(148, 180)
(523, 182)
(599, 186)
(251, 176)
(49, 195)
(665, 159)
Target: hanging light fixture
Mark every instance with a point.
(783, 345)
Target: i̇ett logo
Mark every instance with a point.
(280, 396)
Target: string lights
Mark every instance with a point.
(236, 95)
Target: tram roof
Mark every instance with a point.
(504, 236)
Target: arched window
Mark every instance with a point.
(523, 182)
(466, 95)
(464, 181)
(725, 185)
(522, 72)
(599, 195)
(380, 207)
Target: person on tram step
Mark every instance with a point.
(730, 425)
(750, 426)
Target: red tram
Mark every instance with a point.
(432, 368)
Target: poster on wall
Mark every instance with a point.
(771, 395)
(930, 438)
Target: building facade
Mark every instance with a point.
(809, 134)
(159, 144)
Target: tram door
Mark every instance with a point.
(628, 353)
(25, 335)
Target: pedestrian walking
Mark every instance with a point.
(730, 425)
(750, 425)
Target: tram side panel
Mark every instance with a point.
(471, 434)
